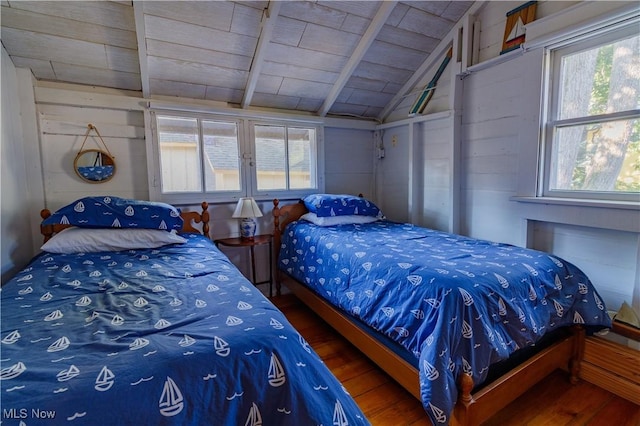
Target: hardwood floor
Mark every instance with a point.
(553, 401)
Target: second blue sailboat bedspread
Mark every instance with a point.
(458, 304)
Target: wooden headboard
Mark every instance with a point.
(190, 219)
(282, 216)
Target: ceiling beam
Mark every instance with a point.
(267, 25)
(141, 36)
(429, 62)
(365, 42)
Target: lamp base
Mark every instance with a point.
(247, 228)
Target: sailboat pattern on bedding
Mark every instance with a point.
(174, 335)
(457, 304)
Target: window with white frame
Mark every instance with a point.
(592, 126)
(203, 157)
(284, 157)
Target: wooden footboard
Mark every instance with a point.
(471, 408)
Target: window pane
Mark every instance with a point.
(222, 164)
(603, 157)
(300, 144)
(601, 80)
(270, 157)
(179, 154)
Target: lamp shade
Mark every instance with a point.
(247, 207)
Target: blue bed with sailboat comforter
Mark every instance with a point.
(455, 304)
(167, 335)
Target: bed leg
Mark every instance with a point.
(278, 283)
(578, 353)
(462, 410)
(277, 239)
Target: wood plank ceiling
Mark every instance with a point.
(323, 57)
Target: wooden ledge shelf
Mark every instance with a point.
(626, 330)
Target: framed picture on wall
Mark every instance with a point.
(514, 30)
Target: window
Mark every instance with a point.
(197, 154)
(203, 157)
(284, 157)
(592, 133)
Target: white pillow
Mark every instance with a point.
(337, 220)
(87, 240)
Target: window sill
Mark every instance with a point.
(625, 205)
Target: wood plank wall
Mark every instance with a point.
(437, 169)
(348, 163)
(63, 124)
(16, 248)
(63, 112)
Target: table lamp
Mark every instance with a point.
(247, 209)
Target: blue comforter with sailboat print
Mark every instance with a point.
(457, 304)
(174, 335)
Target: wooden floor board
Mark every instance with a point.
(362, 383)
(618, 412)
(379, 399)
(403, 412)
(551, 402)
(550, 389)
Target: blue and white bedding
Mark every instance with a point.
(174, 335)
(457, 304)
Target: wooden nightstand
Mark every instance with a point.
(258, 240)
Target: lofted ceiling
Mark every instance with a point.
(322, 57)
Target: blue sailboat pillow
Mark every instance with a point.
(326, 205)
(115, 212)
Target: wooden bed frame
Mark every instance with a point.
(471, 408)
(190, 219)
